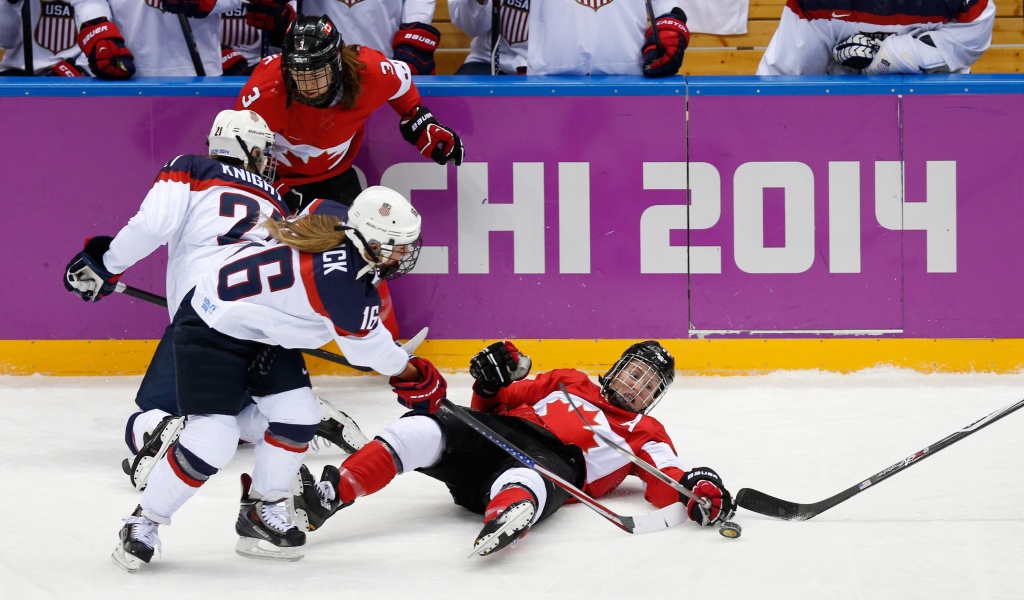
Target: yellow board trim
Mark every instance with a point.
(707, 357)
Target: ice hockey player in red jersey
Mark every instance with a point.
(534, 415)
(317, 95)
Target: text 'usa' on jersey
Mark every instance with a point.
(335, 291)
(202, 173)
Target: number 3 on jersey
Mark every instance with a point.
(371, 314)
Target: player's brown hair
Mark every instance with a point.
(308, 233)
(351, 76)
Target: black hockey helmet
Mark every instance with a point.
(639, 379)
(311, 44)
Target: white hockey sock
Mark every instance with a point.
(252, 424)
(529, 479)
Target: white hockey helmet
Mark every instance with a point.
(385, 228)
(244, 135)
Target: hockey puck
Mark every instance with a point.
(730, 530)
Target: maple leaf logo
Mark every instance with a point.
(563, 421)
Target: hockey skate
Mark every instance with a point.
(139, 538)
(339, 429)
(263, 528)
(316, 500)
(509, 525)
(154, 447)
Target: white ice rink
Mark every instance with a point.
(950, 527)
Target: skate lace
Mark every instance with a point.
(275, 515)
(145, 531)
(325, 490)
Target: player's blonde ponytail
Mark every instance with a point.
(308, 233)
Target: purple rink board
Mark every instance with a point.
(569, 217)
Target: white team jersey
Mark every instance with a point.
(605, 37)
(803, 43)
(197, 207)
(54, 36)
(271, 293)
(371, 23)
(155, 38)
(475, 20)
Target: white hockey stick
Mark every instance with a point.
(663, 518)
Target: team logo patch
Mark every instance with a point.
(515, 20)
(594, 4)
(56, 28)
(385, 209)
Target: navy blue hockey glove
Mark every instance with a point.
(414, 45)
(433, 140)
(674, 37)
(424, 396)
(707, 485)
(86, 276)
(497, 366)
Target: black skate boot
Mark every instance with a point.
(263, 528)
(317, 500)
(508, 518)
(139, 538)
(154, 447)
(339, 429)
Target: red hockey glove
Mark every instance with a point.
(273, 16)
(232, 62)
(705, 483)
(433, 140)
(497, 366)
(65, 69)
(103, 45)
(86, 275)
(414, 44)
(674, 36)
(196, 9)
(423, 396)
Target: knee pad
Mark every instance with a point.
(212, 439)
(293, 415)
(417, 441)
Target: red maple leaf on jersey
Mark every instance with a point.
(563, 421)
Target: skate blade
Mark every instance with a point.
(144, 464)
(140, 475)
(125, 561)
(506, 536)
(264, 550)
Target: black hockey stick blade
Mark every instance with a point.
(663, 518)
(759, 502)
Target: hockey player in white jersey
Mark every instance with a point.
(818, 37)
(534, 415)
(55, 51)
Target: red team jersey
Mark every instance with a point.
(541, 400)
(314, 144)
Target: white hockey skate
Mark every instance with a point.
(264, 529)
(339, 429)
(153, 449)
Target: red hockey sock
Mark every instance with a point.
(505, 498)
(365, 472)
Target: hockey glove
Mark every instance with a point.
(232, 62)
(103, 45)
(414, 44)
(86, 276)
(497, 366)
(65, 69)
(423, 396)
(706, 484)
(433, 140)
(196, 9)
(857, 51)
(674, 36)
(273, 16)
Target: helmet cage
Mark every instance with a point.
(311, 61)
(640, 378)
(385, 228)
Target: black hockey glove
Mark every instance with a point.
(707, 485)
(86, 276)
(497, 366)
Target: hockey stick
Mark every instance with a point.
(409, 346)
(190, 41)
(27, 41)
(495, 34)
(728, 528)
(764, 504)
(654, 28)
(663, 518)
